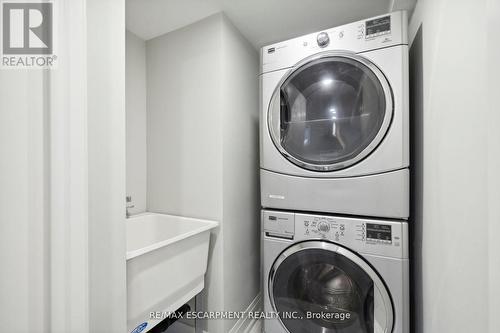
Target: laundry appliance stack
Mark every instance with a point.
(334, 167)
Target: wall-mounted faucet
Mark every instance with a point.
(129, 205)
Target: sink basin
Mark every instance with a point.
(166, 264)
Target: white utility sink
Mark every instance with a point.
(166, 264)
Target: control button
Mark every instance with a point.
(324, 227)
(306, 223)
(323, 39)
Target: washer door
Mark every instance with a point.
(320, 287)
(330, 111)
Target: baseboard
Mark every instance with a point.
(245, 324)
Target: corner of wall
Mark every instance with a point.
(136, 121)
(240, 62)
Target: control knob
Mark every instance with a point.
(323, 39)
(324, 227)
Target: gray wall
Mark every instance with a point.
(493, 161)
(202, 95)
(135, 70)
(184, 121)
(241, 170)
(455, 167)
(185, 136)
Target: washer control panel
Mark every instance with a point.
(363, 235)
(321, 227)
(278, 224)
(378, 233)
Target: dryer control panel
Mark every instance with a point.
(378, 32)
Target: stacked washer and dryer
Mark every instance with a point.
(335, 179)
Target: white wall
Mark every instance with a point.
(135, 69)
(202, 151)
(62, 180)
(24, 223)
(455, 153)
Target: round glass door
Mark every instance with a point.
(330, 111)
(319, 287)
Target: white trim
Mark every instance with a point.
(105, 55)
(69, 284)
(245, 324)
(86, 117)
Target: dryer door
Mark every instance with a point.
(330, 111)
(320, 287)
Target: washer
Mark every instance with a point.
(331, 274)
(335, 122)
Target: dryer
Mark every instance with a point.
(326, 274)
(334, 120)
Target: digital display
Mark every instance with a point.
(379, 232)
(378, 26)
